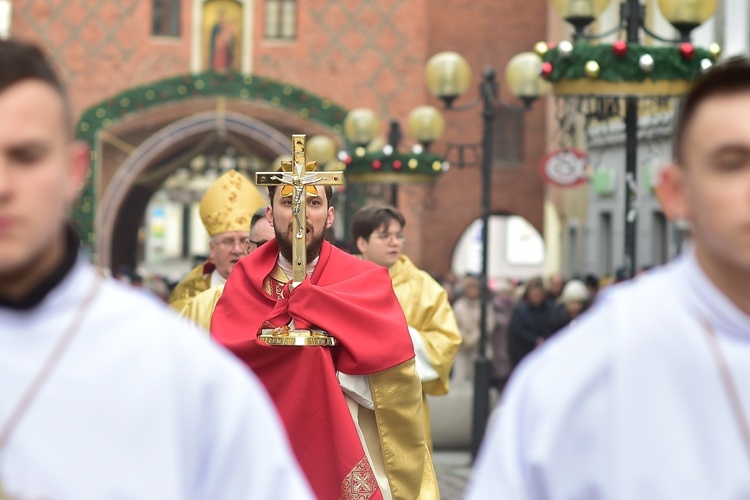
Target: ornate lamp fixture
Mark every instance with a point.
(371, 162)
(322, 149)
(425, 125)
(448, 76)
(522, 75)
(580, 13)
(686, 15)
(627, 69)
(361, 126)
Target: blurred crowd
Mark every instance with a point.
(521, 315)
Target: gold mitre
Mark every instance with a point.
(229, 204)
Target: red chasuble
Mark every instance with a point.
(352, 300)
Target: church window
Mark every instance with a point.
(508, 134)
(281, 19)
(165, 17)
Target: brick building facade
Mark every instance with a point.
(362, 53)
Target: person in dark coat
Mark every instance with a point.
(531, 322)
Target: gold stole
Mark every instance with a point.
(274, 283)
(397, 394)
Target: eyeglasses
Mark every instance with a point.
(231, 242)
(399, 237)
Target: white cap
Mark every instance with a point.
(574, 291)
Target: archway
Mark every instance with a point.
(124, 200)
(277, 102)
(516, 249)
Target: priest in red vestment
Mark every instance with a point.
(353, 411)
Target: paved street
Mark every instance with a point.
(453, 469)
(451, 436)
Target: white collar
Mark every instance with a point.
(286, 266)
(707, 300)
(217, 279)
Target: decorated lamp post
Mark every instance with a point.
(369, 161)
(448, 76)
(373, 162)
(628, 69)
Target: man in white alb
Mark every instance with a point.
(103, 392)
(647, 396)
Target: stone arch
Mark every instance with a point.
(145, 154)
(503, 261)
(277, 97)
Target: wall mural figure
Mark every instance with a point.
(222, 29)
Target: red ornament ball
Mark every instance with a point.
(687, 50)
(620, 48)
(546, 70)
(348, 160)
(376, 164)
(397, 165)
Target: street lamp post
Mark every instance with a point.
(447, 75)
(631, 13)
(684, 15)
(482, 364)
(425, 124)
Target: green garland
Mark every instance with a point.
(669, 64)
(397, 167)
(232, 85)
(208, 84)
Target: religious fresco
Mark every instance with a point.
(222, 35)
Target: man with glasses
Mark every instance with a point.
(201, 307)
(378, 232)
(225, 209)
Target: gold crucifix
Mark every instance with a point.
(295, 179)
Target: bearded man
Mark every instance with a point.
(353, 411)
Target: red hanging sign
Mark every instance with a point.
(565, 167)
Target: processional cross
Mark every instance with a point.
(297, 179)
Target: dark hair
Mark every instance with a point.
(622, 274)
(371, 217)
(20, 61)
(327, 188)
(729, 77)
(258, 215)
(592, 280)
(535, 283)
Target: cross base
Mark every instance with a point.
(287, 337)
